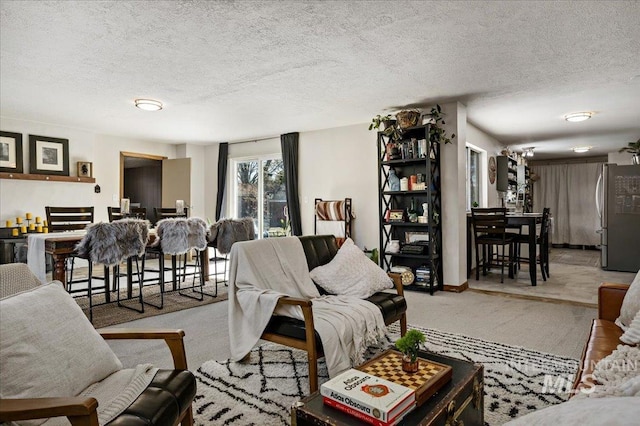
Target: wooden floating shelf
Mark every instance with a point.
(54, 178)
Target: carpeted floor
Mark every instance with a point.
(262, 390)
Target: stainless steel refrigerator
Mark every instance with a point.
(618, 203)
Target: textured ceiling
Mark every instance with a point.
(239, 70)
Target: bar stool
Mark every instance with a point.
(178, 236)
(542, 244)
(110, 244)
(490, 229)
(222, 235)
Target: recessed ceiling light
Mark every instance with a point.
(578, 116)
(581, 148)
(148, 104)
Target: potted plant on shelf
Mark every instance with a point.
(408, 118)
(437, 133)
(634, 149)
(409, 345)
(389, 126)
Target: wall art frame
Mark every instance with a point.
(85, 169)
(48, 156)
(11, 152)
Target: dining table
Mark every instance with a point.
(61, 245)
(514, 220)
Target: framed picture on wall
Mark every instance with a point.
(10, 152)
(85, 169)
(48, 156)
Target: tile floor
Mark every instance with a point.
(575, 277)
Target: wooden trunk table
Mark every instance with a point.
(459, 401)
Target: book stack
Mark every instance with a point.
(369, 398)
(423, 275)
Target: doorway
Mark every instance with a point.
(141, 181)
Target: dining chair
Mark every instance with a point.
(110, 244)
(490, 230)
(61, 219)
(542, 244)
(134, 212)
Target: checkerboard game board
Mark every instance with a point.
(429, 378)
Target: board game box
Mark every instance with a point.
(429, 378)
(371, 395)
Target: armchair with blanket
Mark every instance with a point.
(54, 364)
(273, 297)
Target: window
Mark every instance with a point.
(473, 177)
(258, 192)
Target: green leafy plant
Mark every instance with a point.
(475, 204)
(632, 148)
(409, 344)
(378, 120)
(389, 126)
(437, 133)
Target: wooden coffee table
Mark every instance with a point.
(459, 400)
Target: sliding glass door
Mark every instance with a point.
(259, 192)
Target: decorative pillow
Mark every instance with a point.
(48, 347)
(588, 411)
(630, 304)
(632, 335)
(351, 273)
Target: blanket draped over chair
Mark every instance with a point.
(225, 232)
(262, 271)
(179, 235)
(112, 243)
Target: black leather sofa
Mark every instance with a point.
(319, 250)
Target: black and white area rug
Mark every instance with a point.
(262, 390)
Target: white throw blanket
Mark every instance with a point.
(115, 393)
(262, 271)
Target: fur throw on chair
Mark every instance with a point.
(179, 235)
(225, 232)
(112, 243)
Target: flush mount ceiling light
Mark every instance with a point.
(578, 116)
(148, 104)
(527, 152)
(580, 149)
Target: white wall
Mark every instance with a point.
(454, 215)
(20, 196)
(339, 163)
(620, 158)
(480, 139)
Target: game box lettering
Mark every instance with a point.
(370, 394)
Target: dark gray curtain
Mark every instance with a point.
(223, 152)
(289, 143)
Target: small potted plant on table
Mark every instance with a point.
(409, 345)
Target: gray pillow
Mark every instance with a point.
(48, 347)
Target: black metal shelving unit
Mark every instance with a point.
(415, 158)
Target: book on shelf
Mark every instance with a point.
(372, 396)
(410, 405)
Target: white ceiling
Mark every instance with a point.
(240, 70)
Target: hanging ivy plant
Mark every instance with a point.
(437, 133)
